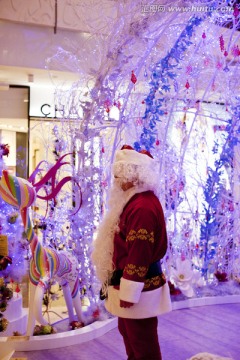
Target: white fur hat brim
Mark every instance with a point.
(128, 163)
(128, 156)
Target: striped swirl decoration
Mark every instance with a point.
(15, 191)
(19, 193)
(45, 263)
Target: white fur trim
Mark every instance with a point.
(151, 303)
(208, 356)
(133, 157)
(130, 290)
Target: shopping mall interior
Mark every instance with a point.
(78, 80)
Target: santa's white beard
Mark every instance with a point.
(116, 195)
(103, 245)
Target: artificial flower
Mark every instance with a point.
(183, 277)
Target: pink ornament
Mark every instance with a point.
(204, 35)
(117, 104)
(236, 12)
(107, 105)
(225, 53)
(219, 65)
(206, 62)
(133, 78)
(231, 206)
(235, 51)
(188, 69)
(96, 314)
(183, 257)
(104, 183)
(157, 142)
(221, 40)
(187, 85)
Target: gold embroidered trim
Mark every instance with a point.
(155, 281)
(141, 234)
(132, 269)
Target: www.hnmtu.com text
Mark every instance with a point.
(165, 8)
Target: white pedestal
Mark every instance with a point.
(16, 316)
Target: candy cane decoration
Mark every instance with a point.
(46, 263)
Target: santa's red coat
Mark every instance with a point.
(140, 241)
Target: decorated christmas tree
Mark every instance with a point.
(12, 249)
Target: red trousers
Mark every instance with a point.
(140, 338)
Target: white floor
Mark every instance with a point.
(182, 334)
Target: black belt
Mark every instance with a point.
(153, 270)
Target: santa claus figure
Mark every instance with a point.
(130, 243)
